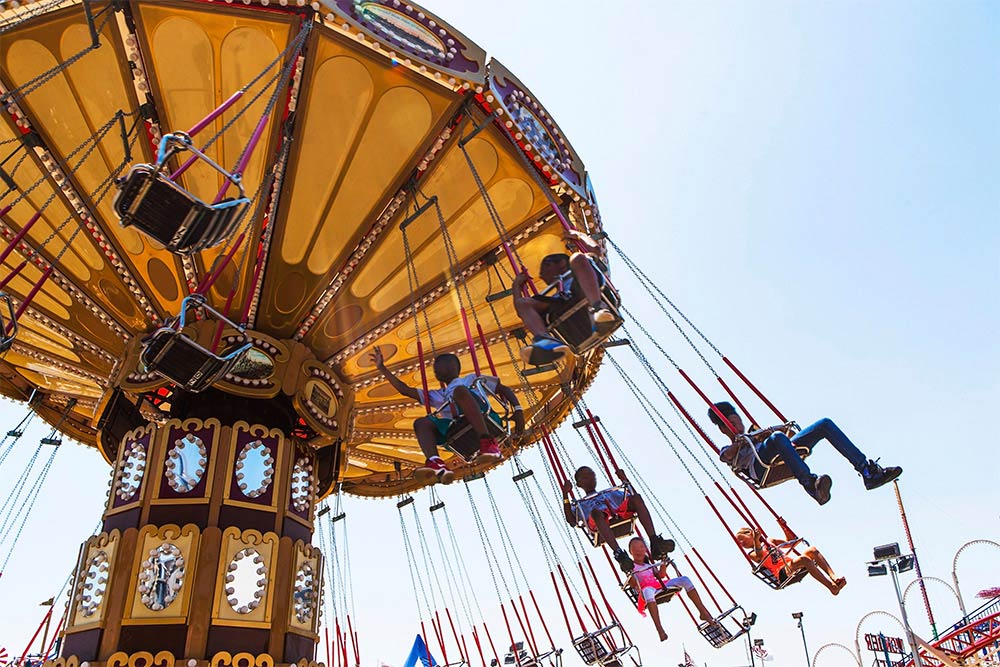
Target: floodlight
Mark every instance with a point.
(797, 615)
(877, 570)
(887, 551)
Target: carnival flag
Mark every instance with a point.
(688, 660)
(762, 653)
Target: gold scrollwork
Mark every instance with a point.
(141, 659)
(227, 659)
(68, 661)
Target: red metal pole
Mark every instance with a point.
(423, 376)
(471, 343)
(755, 390)
(209, 280)
(916, 561)
(486, 349)
(35, 636)
(28, 299)
(14, 272)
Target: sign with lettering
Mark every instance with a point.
(883, 644)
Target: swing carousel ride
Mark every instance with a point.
(212, 211)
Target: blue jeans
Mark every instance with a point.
(780, 445)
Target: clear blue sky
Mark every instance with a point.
(816, 182)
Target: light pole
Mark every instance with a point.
(888, 560)
(798, 617)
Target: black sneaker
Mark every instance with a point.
(820, 489)
(875, 475)
(624, 561)
(660, 548)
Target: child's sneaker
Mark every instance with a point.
(489, 451)
(601, 316)
(543, 350)
(659, 547)
(434, 468)
(624, 561)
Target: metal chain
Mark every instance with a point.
(33, 494)
(19, 429)
(15, 493)
(33, 84)
(490, 207)
(650, 285)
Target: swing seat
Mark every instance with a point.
(770, 579)
(570, 321)
(664, 596)
(166, 212)
(719, 632)
(7, 319)
(621, 525)
(775, 471)
(462, 439)
(600, 646)
(172, 354)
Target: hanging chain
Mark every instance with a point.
(33, 84)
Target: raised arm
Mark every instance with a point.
(790, 535)
(397, 384)
(568, 504)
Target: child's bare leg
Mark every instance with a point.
(703, 611)
(816, 573)
(813, 554)
(654, 613)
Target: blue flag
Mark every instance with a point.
(419, 655)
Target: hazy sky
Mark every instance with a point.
(816, 183)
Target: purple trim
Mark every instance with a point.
(221, 109)
(454, 44)
(530, 117)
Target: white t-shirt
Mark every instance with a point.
(478, 385)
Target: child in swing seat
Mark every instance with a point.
(460, 397)
(648, 579)
(768, 551)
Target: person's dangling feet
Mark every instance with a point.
(663, 635)
(624, 561)
(543, 350)
(875, 475)
(659, 547)
(601, 315)
(820, 489)
(434, 468)
(489, 450)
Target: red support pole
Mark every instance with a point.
(562, 605)
(754, 389)
(510, 633)
(258, 267)
(436, 626)
(729, 530)
(479, 646)
(31, 641)
(598, 617)
(354, 639)
(471, 343)
(542, 618)
(14, 272)
(704, 585)
(527, 622)
(247, 153)
(423, 376)
(708, 401)
(55, 636)
(326, 634)
(28, 299)
(745, 514)
(738, 402)
(19, 235)
(600, 454)
(427, 644)
(486, 350)
(607, 448)
(569, 593)
(492, 645)
(690, 419)
(461, 651)
(712, 572)
(209, 280)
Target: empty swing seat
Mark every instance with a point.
(726, 627)
(172, 354)
(600, 646)
(176, 218)
(7, 319)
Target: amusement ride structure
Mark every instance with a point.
(212, 213)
